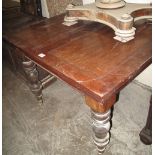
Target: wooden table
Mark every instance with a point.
(86, 57)
(12, 23)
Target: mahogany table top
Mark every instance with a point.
(85, 55)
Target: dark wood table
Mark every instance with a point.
(86, 57)
(12, 23)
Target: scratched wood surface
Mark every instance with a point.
(85, 55)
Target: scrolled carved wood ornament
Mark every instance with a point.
(120, 18)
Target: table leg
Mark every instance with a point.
(101, 128)
(101, 115)
(146, 133)
(32, 77)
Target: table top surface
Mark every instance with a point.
(85, 55)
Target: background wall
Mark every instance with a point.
(45, 12)
(55, 7)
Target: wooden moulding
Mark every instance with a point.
(121, 20)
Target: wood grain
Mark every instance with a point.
(85, 55)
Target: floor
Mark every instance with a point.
(62, 126)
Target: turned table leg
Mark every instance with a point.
(32, 77)
(101, 115)
(146, 133)
(101, 128)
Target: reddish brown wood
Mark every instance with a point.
(85, 55)
(141, 12)
(13, 23)
(99, 107)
